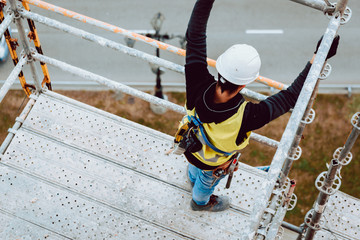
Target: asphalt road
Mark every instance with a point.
(292, 31)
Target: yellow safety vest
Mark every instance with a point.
(222, 135)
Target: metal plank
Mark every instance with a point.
(67, 213)
(12, 227)
(113, 163)
(327, 235)
(131, 145)
(341, 217)
(116, 186)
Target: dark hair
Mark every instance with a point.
(225, 85)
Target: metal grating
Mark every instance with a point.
(67, 213)
(131, 145)
(134, 193)
(16, 228)
(84, 173)
(341, 218)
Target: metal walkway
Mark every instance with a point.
(70, 171)
(73, 171)
(341, 218)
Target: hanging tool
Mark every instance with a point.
(233, 166)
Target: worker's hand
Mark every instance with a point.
(333, 47)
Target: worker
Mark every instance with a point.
(225, 118)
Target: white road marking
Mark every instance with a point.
(264, 31)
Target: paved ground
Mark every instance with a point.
(284, 52)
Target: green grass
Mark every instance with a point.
(304, 165)
(354, 105)
(259, 155)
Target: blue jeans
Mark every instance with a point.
(203, 187)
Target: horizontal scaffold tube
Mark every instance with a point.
(102, 41)
(120, 47)
(12, 77)
(317, 4)
(109, 83)
(135, 36)
(292, 126)
(131, 91)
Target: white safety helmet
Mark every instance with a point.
(240, 64)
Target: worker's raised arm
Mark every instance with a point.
(196, 32)
(282, 102)
(196, 72)
(257, 115)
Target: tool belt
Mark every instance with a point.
(227, 168)
(186, 140)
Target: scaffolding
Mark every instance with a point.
(264, 217)
(328, 183)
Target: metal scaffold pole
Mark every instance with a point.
(34, 36)
(5, 22)
(120, 47)
(102, 41)
(276, 212)
(12, 77)
(12, 44)
(317, 4)
(25, 43)
(289, 135)
(136, 36)
(295, 150)
(328, 182)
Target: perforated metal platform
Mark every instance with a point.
(341, 219)
(75, 172)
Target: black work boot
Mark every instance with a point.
(215, 204)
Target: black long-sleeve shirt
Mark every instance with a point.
(200, 84)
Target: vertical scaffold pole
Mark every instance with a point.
(25, 43)
(289, 134)
(35, 37)
(12, 43)
(295, 150)
(294, 154)
(288, 203)
(313, 217)
(328, 183)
